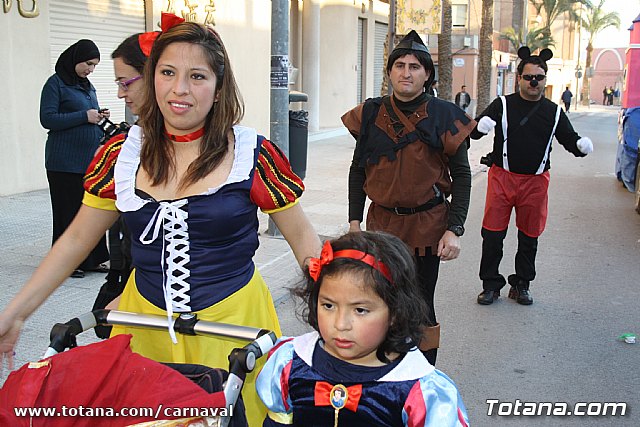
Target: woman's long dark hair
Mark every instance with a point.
(407, 309)
(156, 156)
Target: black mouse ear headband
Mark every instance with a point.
(524, 53)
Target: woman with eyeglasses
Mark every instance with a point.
(69, 109)
(525, 124)
(129, 59)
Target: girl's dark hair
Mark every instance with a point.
(156, 154)
(407, 309)
(130, 53)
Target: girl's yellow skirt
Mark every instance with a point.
(250, 306)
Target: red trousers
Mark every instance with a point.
(528, 194)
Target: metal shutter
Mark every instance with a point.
(381, 31)
(107, 23)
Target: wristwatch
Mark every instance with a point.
(458, 230)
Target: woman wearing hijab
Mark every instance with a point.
(69, 110)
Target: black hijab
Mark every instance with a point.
(80, 51)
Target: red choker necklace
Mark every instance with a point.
(186, 138)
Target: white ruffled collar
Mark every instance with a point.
(412, 366)
(129, 161)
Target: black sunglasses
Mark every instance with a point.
(538, 77)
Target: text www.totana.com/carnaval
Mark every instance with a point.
(559, 409)
(158, 413)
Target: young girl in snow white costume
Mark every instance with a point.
(361, 366)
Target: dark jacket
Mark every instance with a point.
(463, 99)
(72, 140)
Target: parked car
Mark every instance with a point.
(627, 155)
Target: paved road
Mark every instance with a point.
(561, 349)
(564, 347)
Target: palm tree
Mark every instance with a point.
(445, 62)
(594, 22)
(534, 39)
(550, 10)
(485, 55)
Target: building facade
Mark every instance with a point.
(335, 45)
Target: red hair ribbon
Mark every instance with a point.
(327, 256)
(323, 391)
(145, 40)
(169, 20)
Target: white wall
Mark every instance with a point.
(338, 55)
(25, 55)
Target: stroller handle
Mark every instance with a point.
(63, 335)
(241, 360)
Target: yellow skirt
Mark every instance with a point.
(241, 308)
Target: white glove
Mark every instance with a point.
(585, 145)
(486, 124)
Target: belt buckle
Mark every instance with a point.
(395, 210)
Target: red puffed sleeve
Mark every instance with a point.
(275, 186)
(99, 184)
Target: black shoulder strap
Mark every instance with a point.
(525, 119)
(369, 112)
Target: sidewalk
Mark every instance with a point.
(26, 230)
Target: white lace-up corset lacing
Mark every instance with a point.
(172, 219)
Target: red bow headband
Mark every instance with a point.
(327, 256)
(167, 20)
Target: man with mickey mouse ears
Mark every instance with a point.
(525, 124)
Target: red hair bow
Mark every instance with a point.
(169, 20)
(323, 391)
(145, 40)
(327, 256)
(316, 264)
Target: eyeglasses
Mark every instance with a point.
(125, 84)
(538, 77)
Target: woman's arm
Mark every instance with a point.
(82, 235)
(299, 233)
(53, 119)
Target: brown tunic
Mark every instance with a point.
(408, 180)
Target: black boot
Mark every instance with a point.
(487, 297)
(520, 290)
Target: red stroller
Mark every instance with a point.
(120, 388)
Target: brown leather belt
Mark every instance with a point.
(435, 201)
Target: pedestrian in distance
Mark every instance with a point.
(410, 156)
(360, 366)
(69, 109)
(433, 91)
(605, 95)
(566, 99)
(525, 124)
(610, 92)
(463, 99)
(188, 182)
